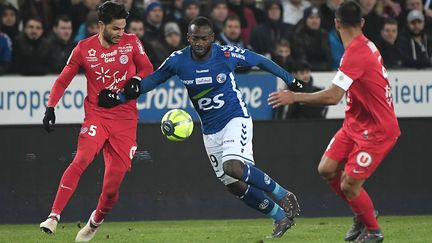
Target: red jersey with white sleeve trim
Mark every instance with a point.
(105, 68)
(369, 112)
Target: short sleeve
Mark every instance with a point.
(351, 69)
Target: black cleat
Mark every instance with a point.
(281, 226)
(290, 205)
(356, 228)
(369, 237)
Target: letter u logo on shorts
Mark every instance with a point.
(364, 159)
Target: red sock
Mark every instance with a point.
(110, 193)
(363, 207)
(68, 184)
(335, 185)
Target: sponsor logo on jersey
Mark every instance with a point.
(364, 159)
(227, 53)
(266, 179)
(125, 49)
(202, 71)
(188, 81)
(221, 78)
(264, 204)
(140, 47)
(92, 53)
(103, 74)
(124, 59)
(91, 56)
(204, 80)
(237, 55)
(109, 57)
(117, 78)
(84, 130)
(94, 65)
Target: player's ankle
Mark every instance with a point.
(54, 216)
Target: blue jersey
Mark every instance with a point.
(211, 83)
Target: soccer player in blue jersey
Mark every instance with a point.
(207, 71)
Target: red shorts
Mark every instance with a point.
(116, 137)
(361, 156)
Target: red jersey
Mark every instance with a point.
(105, 68)
(369, 112)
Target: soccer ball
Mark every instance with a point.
(177, 125)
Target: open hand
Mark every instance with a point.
(279, 98)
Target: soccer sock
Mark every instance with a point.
(258, 200)
(363, 207)
(110, 194)
(68, 184)
(255, 177)
(335, 185)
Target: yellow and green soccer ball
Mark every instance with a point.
(177, 125)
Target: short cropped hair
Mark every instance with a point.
(201, 21)
(349, 13)
(110, 10)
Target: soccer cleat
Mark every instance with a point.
(290, 205)
(50, 224)
(281, 226)
(356, 228)
(369, 237)
(88, 231)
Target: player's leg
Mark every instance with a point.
(118, 153)
(238, 163)
(362, 162)
(260, 201)
(90, 141)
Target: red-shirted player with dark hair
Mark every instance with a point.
(370, 129)
(110, 59)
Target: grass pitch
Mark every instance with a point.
(395, 229)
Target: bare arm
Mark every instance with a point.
(330, 96)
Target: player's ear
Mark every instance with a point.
(362, 21)
(212, 37)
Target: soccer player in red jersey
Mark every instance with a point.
(110, 59)
(370, 128)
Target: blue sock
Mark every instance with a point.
(258, 200)
(255, 177)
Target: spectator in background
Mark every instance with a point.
(231, 33)
(336, 48)
(311, 42)
(246, 17)
(414, 43)
(293, 10)
(134, 12)
(191, 11)
(44, 9)
(264, 36)
(154, 49)
(259, 14)
(391, 8)
(61, 43)
(79, 12)
(328, 10)
(282, 55)
(373, 22)
(10, 21)
(31, 51)
(302, 71)
(218, 12)
(5, 53)
(415, 5)
(154, 16)
(173, 36)
(89, 27)
(387, 46)
(174, 11)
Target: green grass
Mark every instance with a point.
(395, 228)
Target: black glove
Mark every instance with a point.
(132, 88)
(49, 116)
(297, 86)
(108, 99)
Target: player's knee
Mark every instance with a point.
(233, 168)
(348, 189)
(325, 172)
(237, 188)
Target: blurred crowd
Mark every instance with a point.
(37, 36)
